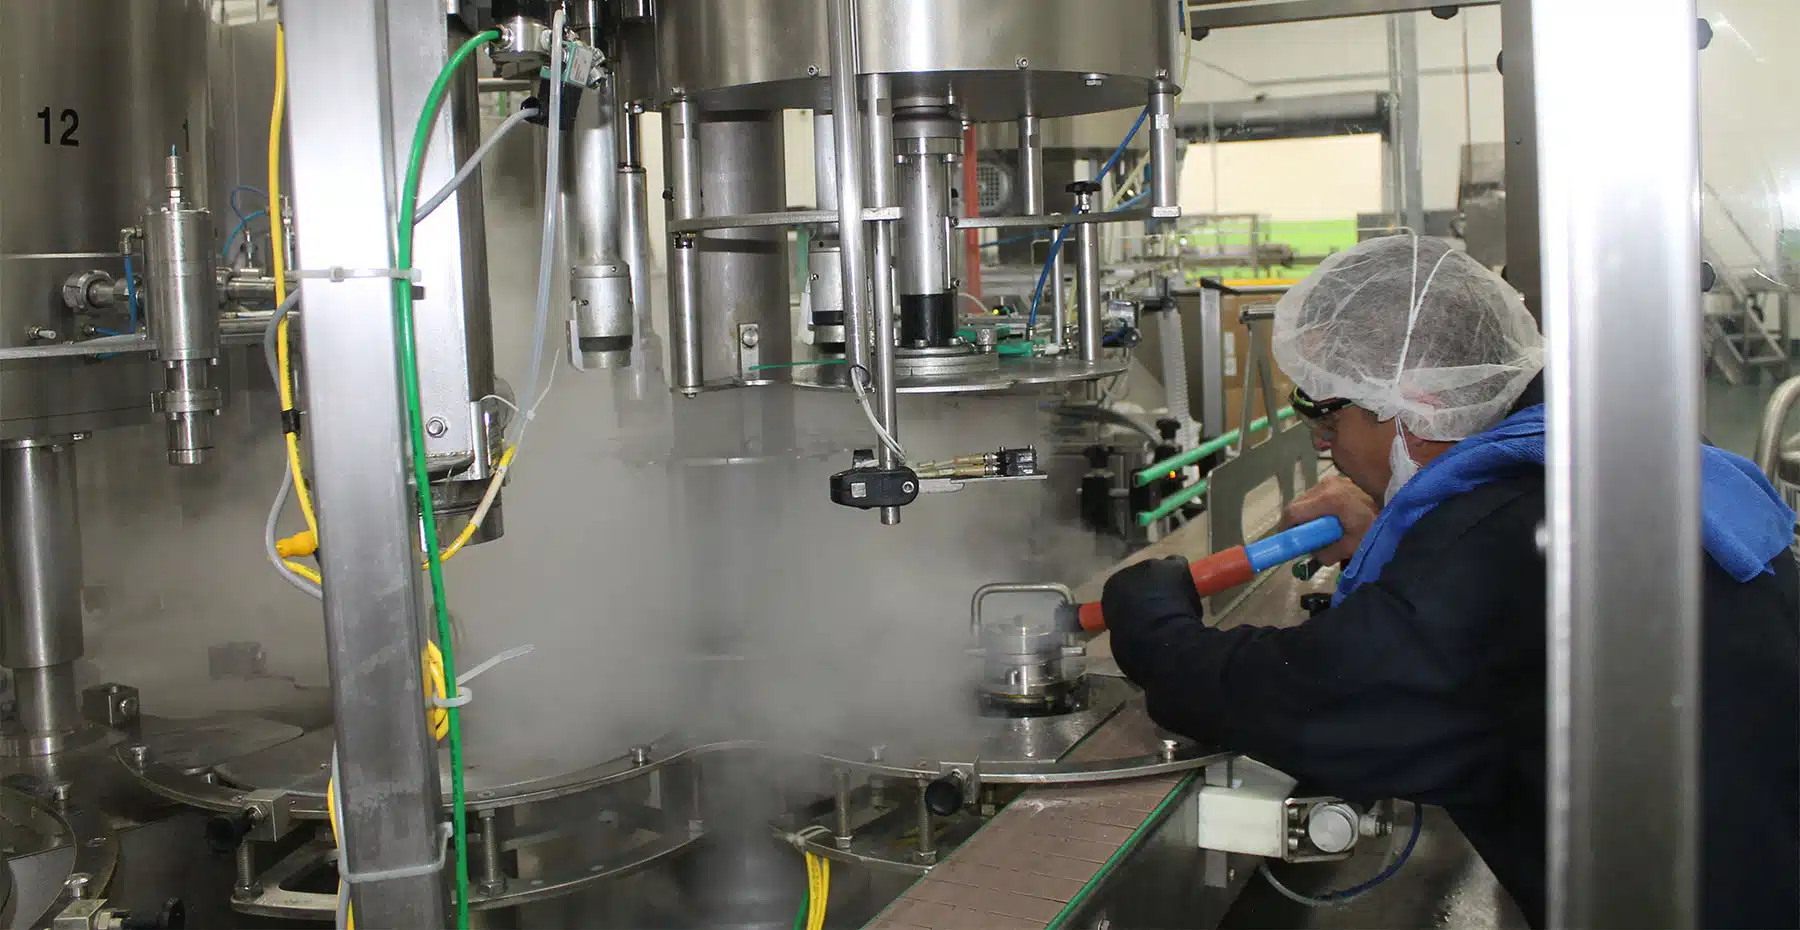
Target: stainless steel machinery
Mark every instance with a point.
(701, 668)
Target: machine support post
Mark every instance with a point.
(1618, 159)
(1087, 278)
(345, 171)
(1057, 292)
(927, 849)
(681, 143)
(841, 810)
(244, 865)
(493, 880)
(40, 630)
(880, 124)
(634, 231)
(1031, 165)
(846, 124)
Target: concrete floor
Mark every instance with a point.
(1733, 413)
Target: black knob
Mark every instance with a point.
(1709, 277)
(173, 916)
(1445, 12)
(945, 796)
(1167, 428)
(225, 831)
(1315, 604)
(1706, 35)
(1083, 187)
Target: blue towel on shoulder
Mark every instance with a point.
(1744, 523)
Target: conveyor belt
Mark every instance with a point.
(1044, 850)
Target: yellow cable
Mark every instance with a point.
(823, 897)
(812, 890)
(305, 571)
(278, 268)
(487, 501)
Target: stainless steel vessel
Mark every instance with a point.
(996, 58)
(90, 134)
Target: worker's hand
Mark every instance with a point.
(1141, 596)
(1339, 497)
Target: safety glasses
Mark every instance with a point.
(1320, 416)
(1315, 409)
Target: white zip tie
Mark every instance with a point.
(338, 274)
(463, 693)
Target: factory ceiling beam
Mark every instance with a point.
(1220, 15)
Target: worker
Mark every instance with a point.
(1420, 370)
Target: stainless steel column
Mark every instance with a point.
(634, 234)
(1521, 155)
(879, 121)
(1031, 165)
(744, 274)
(1403, 67)
(924, 250)
(681, 161)
(344, 170)
(40, 554)
(847, 141)
(184, 316)
(1618, 163)
(1087, 275)
(833, 329)
(601, 321)
(825, 165)
(1165, 180)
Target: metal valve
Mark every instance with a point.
(945, 795)
(224, 832)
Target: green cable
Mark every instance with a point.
(1180, 460)
(805, 907)
(1172, 503)
(406, 341)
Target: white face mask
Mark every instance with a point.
(1400, 461)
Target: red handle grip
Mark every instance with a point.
(1217, 572)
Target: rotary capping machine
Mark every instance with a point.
(387, 288)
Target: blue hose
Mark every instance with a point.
(1393, 867)
(1037, 295)
(1009, 240)
(231, 240)
(235, 210)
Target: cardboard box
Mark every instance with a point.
(1234, 407)
(1235, 337)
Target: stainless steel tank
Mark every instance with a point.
(996, 58)
(98, 93)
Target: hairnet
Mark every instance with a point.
(1410, 327)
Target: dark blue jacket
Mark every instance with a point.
(1428, 684)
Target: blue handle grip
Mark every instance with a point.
(1291, 544)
